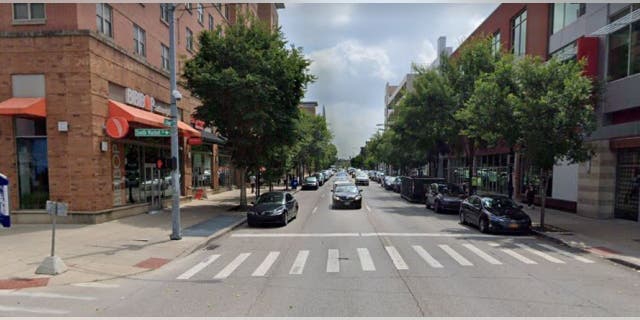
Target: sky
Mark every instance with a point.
(356, 49)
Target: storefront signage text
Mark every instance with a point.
(139, 99)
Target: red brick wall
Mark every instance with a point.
(59, 16)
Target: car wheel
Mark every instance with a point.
(483, 225)
(463, 218)
(285, 219)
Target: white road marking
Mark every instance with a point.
(232, 266)
(314, 210)
(18, 293)
(368, 209)
(455, 255)
(198, 267)
(32, 310)
(514, 254)
(481, 253)
(292, 235)
(540, 253)
(365, 260)
(434, 235)
(298, 264)
(333, 262)
(566, 253)
(427, 257)
(95, 285)
(266, 264)
(396, 258)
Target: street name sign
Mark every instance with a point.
(147, 132)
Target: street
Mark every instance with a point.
(390, 258)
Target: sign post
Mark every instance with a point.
(5, 218)
(53, 265)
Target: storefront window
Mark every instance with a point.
(33, 166)
(624, 45)
(627, 184)
(144, 179)
(201, 166)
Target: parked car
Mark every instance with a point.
(320, 177)
(494, 213)
(345, 196)
(362, 179)
(397, 185)
(310, 183)
(387, 182)
(444, 197)
(273, 207)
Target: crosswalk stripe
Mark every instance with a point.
(365, 260)
(427, 257)
(95, 285)
(232, 266)
(333, 264)
(514, 254)
(540, 253)
(565, 253)
(17, 293)
(455, 255)
(396, 258)
(298, 263)
(266, 264)
(481, 253)
(32, 310)
(198, 267)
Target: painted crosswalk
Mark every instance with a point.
(415, 257)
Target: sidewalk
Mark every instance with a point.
(613, 239)
(118, 248)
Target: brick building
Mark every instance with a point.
(66, 70)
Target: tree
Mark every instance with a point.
(553, 107)
(250, 85)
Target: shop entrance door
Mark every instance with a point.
(153, 186)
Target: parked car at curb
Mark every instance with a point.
(396, 185)
(347, 196)
(387, 182)
(444, 197)
(362, 179)
(273, 207)
(494, 213)
(310, 183)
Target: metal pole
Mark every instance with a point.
(53, 231)
(175, 207)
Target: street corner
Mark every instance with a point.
(21, 283)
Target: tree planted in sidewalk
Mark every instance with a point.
(250, 84)
(553, 108)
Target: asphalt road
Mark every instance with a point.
(390, 258)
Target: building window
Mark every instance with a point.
(188, 7)
(624, 46)
(495, 43)
(211, 25)
(28, 11)
(33, 167)
(189, 40)
(519, 34)
(568, 52)
(566, 13)
(104, 19)
(165, 57)
(226, 11)
(200, 13)
(164, 13)
(139, 40)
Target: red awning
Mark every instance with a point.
(132, 114)
(24, 106)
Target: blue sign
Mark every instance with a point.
(5, 219)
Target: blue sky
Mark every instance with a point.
(357, 48)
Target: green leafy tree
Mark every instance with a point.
(553, 107)
(250, 84)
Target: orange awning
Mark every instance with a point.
(24, 106)
(132, 114)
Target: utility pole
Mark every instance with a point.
(175, 96)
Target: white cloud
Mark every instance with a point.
(353, 58)
(427, 53)
(343, 15)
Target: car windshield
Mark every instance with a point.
(449, 189)
(350, 189)
(311, 179)
(498, 203)
(270, 198)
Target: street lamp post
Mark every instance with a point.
(175, 96)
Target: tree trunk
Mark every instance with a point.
(270, 186)
(510, 164)
(243, 188)
(543, 197)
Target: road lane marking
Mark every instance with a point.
(427, 257)
(514, 254)
(298, 263)
(481, 253)
(333, 262)
(266, 264)
(368, 209)
(455, 255)
(198, 267)
(540, 253)
(95, 285)
(314, 210)
(232, 266)
(18, 293)
(291, 235)
(396, 258)
(32, 310)
(366, 234)
(365, 260)
(566, 253)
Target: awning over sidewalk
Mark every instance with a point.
(212, 138)
(118, 109)
(24, 106)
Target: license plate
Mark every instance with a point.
(346, 203)
(513, 226)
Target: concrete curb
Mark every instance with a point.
(212, 237)
(613, 258)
